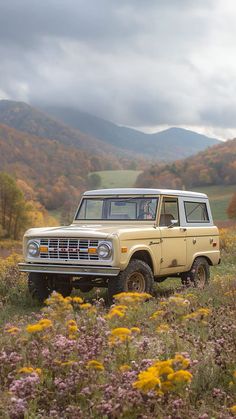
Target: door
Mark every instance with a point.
(173, 238)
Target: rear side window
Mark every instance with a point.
(196, 212)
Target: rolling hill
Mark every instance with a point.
(25, 118)
(214, 166)
(170, 144)
(57, 172)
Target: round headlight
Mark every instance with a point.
(33, 249)
(104, 250)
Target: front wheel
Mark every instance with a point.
(137, 277)
(42, 285)
(39, 286)
(199, 274)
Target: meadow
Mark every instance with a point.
(172, 355)
(219, 196)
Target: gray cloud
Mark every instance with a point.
(139, 63)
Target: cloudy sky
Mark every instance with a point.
(142, 63)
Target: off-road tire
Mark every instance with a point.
(39, 286)
(137, 273)
(63, 285)
(199, 274)
(85, 287)
(42, 285)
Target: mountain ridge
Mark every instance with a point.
(182, 141)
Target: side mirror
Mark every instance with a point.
(173, 223)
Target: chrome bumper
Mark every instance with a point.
(68, 269)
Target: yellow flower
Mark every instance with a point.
(115, 312)
(199, 314)
(77, 300)
(119, 334)
(72, 327)
(157, 313)
(163, 328)
(34, 328)
(85, 306)
(67, 363)
(13, 330)
(96, 365)
(132, 297)
(148, 380)
(180, 376)
(233, 410)
(180, 359)
(30, 370)
(45, 323)
(135, 330)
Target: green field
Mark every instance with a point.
(220, 196)
(117, 178)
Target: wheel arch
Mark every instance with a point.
(145, 256)
(203, 257)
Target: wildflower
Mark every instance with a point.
(30, 370)
(67, 363)
(34, 328)
(119, 334)
(157, 313)
(13, 330)
(180, 359)
(135, 330)
(179, 301)
(132, 297)
(45, 323)
(85, 306)
(114, 312)
(77, 300)
(96, 365)
(163, 328)
(233, 410)
(199, 314)
(180, 376)
(148, 380)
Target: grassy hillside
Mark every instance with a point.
(173, 356)
(214, 166)
(117, 178)
(220, 196)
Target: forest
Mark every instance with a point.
(214, 166)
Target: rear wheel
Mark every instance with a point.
(199, 274)
(137, 277)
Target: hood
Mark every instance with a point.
(102, 231)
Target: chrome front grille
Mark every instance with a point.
(68, 249)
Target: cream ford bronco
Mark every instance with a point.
(124, 239)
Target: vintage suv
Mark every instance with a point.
(124, 239)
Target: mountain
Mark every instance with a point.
(56, 172)
(26, 118)
(214, 166)
(166, 145)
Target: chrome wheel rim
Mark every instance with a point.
(135, 282)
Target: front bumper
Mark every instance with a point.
(96, 271)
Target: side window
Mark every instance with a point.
(196, 212)
(169, 211)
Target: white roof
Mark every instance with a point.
(143, 191)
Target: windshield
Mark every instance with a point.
(118, 209)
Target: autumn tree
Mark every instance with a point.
(14, 210)
(231, 210)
